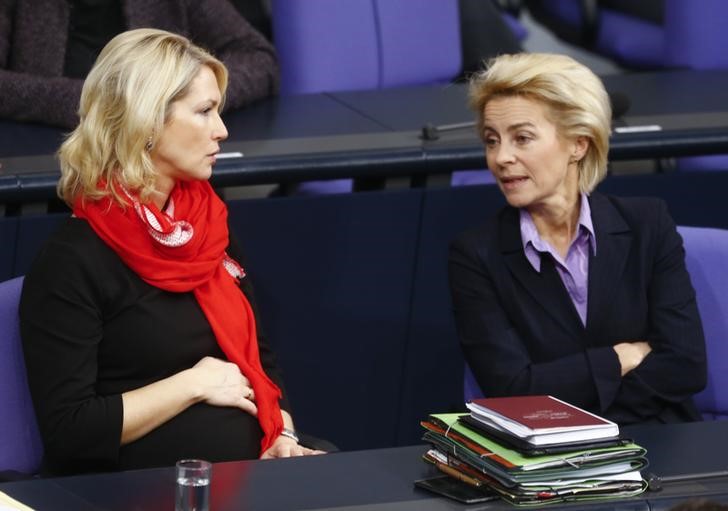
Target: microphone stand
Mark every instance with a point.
(432, 132)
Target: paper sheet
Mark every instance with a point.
(7, 503)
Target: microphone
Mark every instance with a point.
(432, 132)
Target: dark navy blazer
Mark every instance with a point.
(521, 333)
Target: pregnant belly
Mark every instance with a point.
(202, 431)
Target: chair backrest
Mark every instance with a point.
(706, 253)
(21, 449)
(678, 34)
(695, 34)
(471, 389)
(330, 45)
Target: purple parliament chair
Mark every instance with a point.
(647, 34)
(654, 34)
(21, 449)
(330, 46)
(471, 389)
(706, 253)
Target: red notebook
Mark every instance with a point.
(542, 420)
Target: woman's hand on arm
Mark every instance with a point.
(631, 354)
(211, 380)
(286, 447)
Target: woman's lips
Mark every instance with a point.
(512, 183)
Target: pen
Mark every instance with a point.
(457, 474)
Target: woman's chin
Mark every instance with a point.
(204, 174)
(516, 200)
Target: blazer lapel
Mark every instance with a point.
(545, 286)
(614, 239)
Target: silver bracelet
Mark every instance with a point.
(290, 434)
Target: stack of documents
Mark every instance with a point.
(526, 470)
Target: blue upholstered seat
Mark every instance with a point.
(329, 45)
(706, 253)
(678, 34)
(21, 449)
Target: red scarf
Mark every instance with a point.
(189, 255)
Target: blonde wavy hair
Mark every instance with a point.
(125, 103)
(576, 101)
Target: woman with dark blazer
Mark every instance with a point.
(566, 291)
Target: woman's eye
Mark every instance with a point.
(491, 142)
(523, 139)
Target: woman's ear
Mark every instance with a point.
(581, 145)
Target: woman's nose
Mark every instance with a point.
(220, 132)
(502, 154)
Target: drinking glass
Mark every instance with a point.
(193, 485)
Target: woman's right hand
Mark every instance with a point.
(631, 354)
(221, 383)
(211, 380)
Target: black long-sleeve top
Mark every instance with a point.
(92, 330)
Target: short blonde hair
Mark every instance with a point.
(576, 101)
(125, 102)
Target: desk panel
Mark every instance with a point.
(680, 449)
(688, 449)
(28, 139)
(680, 91)
(673, 96)
(380, 479)
(333, 278)
(307, 115)
(46, 494)
(410, 108)
(374, 134)
(433, 376)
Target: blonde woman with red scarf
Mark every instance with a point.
(137, 320)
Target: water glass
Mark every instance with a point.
(193, 485)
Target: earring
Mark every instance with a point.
(149, 145)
